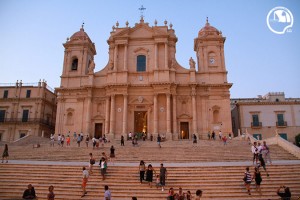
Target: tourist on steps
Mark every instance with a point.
(29, 193)
(159, 140)
(247, 180)
(122, 140)
(149, 175)
(258, 179)
(266, 153)
(285, 194)
(107, 193)
(91, 163)
(163, 176)
(254, 150)
(198, 195)
(85, 176)
(142, 169)
(50, 195)
(5, 154)
(112, 154)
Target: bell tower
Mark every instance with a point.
(78, 58)
(209, 47)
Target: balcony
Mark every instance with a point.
(27, 121)
(256, 124)
(281, 124)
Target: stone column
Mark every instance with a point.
(155, 115)
(88, 114)
(125, 57)
(166, 55)
(174, 116)
(155, 56)
(115, 57)
(106, 131)
(194, 108)
(168, 116)
(125, 96)
(112, 116)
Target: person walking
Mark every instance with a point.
(107, 193)
(50, 195)
(263, 164)
(149, 175)
(78, 140)
(68, 139)
(258, 179)
(162, 176)
(59, 139)
(92, 162)
(5, 154)
(266, 152)
(85, 176)
(62, 140)
(247, 180)
(74, 136)
(122, 140)
(213, 135)
(87, 140)
(159, 140)
(220, 135)
(194, 139)
(103, 167)
(254, 150)
(142, 169)
(112, 154)
(52, 140)
(224, 138)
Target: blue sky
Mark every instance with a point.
(258, 61)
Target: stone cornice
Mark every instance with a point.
(269, 103)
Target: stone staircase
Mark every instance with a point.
(209, 166)
(217, 182)
(171, 151)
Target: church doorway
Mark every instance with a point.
(184, 130)
(140, 122)
(98, 130)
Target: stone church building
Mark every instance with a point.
(143, 88)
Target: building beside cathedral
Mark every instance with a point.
(143, 88)
(26, 109)
(266, 116)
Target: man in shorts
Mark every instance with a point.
(85, 176)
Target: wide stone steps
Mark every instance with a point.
(217, 182)
(173, 151)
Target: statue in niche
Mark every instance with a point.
(111, 64)
(173, 63)
(192, 63)
(92, 66)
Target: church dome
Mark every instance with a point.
(80, 35)
(208, 30)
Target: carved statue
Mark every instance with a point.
(192, 63)
(92, 66)
(111, 64)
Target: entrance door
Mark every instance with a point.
(140, 121)
(98, 130)
(184, 130)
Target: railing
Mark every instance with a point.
(256, 124)
(281, 124)
(27, 120)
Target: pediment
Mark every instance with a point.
(139, 100)
(184, 116)
(141, 30)
(99, 116)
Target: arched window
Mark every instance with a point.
(74, 64)
(141, 63)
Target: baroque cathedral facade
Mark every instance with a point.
(143, 88)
